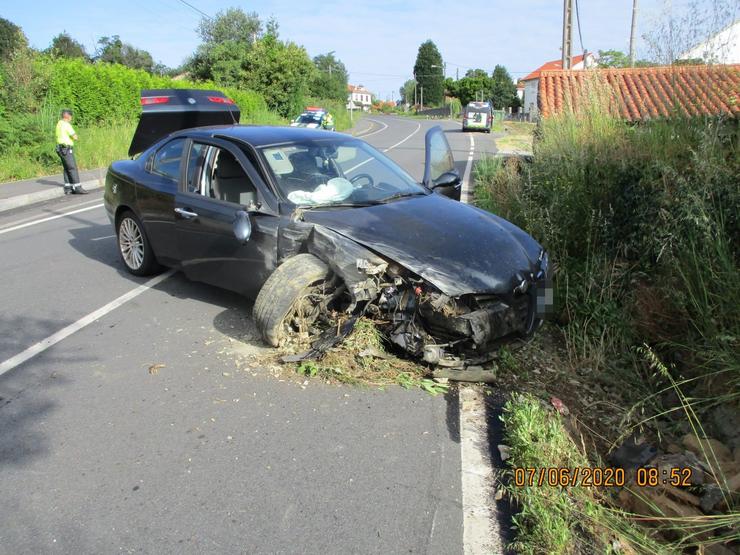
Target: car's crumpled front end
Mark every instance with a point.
(457, 331)
(441, 323)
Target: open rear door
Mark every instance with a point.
(165, 111)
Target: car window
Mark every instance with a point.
(166, 161)
(440, 156)
(196, 160)
(216, 173)
(315, 172)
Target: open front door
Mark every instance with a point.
(439, 167)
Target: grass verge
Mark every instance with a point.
(563, 520)
(518, 136)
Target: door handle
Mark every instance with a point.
(187, 214)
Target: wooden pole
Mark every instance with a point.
(633, 30)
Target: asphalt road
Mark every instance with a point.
(153, 429)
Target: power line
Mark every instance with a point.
(578, 19)
(201, 12)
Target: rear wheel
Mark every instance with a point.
(134, 247)
(292, 300)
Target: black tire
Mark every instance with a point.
(287, 284)
(136, 254)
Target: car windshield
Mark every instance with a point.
(331, 171)
(308, 118)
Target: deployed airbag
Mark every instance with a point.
(335, 190)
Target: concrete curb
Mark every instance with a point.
(18, 201)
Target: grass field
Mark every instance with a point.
(518, 136)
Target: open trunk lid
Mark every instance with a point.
(165, 111)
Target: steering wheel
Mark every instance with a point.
(367, 176)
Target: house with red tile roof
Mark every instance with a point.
(359, 98)
(643, 93)
(531, 82)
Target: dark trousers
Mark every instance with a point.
(69, 163)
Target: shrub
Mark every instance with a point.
(643, 223)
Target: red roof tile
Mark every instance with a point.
(651, 92)
(548, 66)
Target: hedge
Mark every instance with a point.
(100, 93)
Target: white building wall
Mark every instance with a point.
(529, 103)
(722, 48)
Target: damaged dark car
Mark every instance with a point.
(320, 228)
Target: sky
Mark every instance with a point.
(377, 40)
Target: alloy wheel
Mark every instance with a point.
(131, 242)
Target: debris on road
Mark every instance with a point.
(155, 368)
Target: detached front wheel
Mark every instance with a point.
(292, 299)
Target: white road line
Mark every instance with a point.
(63, 333)
(466, 196)
(481, 530)
(385, 126)
(101, 238)
(418, 126)
(353, 168)
(50, 212)
(48, 219)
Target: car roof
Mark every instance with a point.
(262, 135)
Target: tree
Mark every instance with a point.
(113, 50)
(503, 89)
(617, 58)
(280, 72)
(236, 52)
(407, 92)
(64, 46)
(429, 73)
(11, 39)
(232, 25)
(475, 85)
(227, 38)
(330, 81)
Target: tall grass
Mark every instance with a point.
(643, 223)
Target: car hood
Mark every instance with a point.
(457, 248)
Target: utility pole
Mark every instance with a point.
(567, 33)
(632, 33)
(421, 101)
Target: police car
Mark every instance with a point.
(314, 118)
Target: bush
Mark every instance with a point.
(110, 92)
(643, 223)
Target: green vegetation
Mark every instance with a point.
(330, 80)
(429, 74)
(617, 58)
(269, 79)
(642, 223)
(498, 88)
(548, 521)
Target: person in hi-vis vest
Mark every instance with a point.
(65, 137)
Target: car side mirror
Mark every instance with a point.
(447, 179)
(242, 226)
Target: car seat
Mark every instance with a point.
(305, 176)
(230, 183)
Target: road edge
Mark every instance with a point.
(27, 199)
